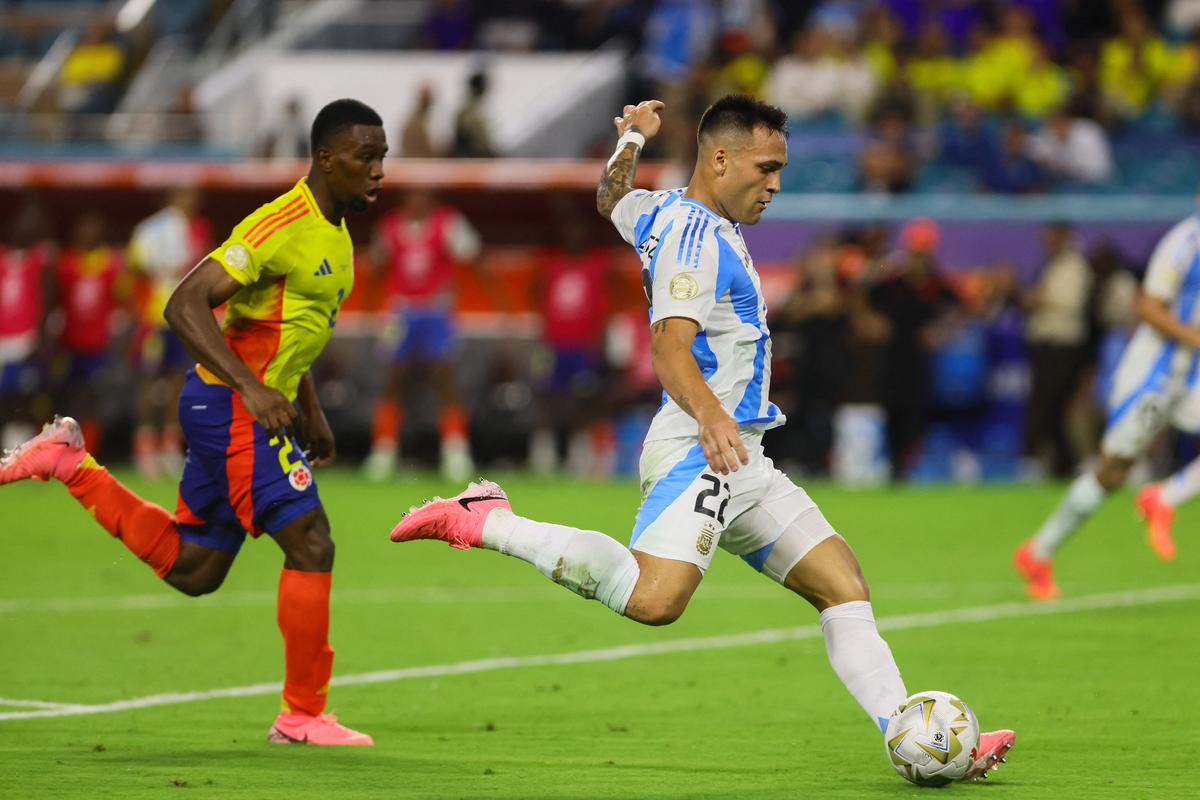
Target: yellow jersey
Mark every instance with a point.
(296, 267)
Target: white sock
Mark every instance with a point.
(1182, 486)
(1083, 498)
(588, 563)
(862, 659)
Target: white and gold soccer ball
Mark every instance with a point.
(931, 738)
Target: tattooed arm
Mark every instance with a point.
(618, 174)
(677, 370)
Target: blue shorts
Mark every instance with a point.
(575, 370)
(237, 478)
(163, 353)
(426, 333)
(21, 378)
(83, 367)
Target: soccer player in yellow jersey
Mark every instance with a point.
(283, 273)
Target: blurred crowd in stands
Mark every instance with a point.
(1013, 97)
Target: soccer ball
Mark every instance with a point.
(931, 738)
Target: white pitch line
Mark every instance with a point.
(9, 701)
(420, 595)
(1096, 602)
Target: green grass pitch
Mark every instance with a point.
(1104, 699)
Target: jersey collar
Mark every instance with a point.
(307, 194)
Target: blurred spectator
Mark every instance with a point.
(1133, 65)
(678, 35)
(932, 69)
(449, 25)
(472, 138)
(814, 322)
(742, 70)
(415, 141)
(418, 246)
(1057, 332)
(571, 288)
(965, 137)
(1073, 148)
(1010, 170)
(917, 308)
(887, 161)
(26, 286)
(87, 294)
(90, 80)
(288, 137)
(162, 249)
(1043, 88)
(882, 36)
(821, 74)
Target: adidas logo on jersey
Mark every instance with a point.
(324, 269)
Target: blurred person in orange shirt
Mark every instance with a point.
(418, 245)
(162, 249)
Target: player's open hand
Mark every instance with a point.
(721, 441)
(270, 408)
(318, 438)
(644, 116)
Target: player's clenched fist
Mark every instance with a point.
(270, 408)
(644, 116)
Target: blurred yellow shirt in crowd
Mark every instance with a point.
(937, 77)
(1129, 81)
(93, 63)
(1042, 90)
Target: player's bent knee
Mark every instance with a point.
(829, 575)
(307, 544)
(655, 613)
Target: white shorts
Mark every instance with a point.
(1140, 409)
(688, 510)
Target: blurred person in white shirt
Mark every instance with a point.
(1074, 148)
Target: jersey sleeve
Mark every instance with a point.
(630, 209)
(462, 240)
(1168, 265)
(246, 254)
(684, 279)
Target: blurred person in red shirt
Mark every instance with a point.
(418, 245)
(87, 293)
(572, 289)
(26, 283)
(162, 249)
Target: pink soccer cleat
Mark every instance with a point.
(1158, 516)
(990, 754)
(1037, 572)
(457, 521)
(322, 729)
(56, 452)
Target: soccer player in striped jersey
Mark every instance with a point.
(1159, 373)
(282, 275)
(706, 482)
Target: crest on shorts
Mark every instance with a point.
(704, 541)
(237, 255)
(300, 477)
(683, 287)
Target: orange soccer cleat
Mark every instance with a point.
(322, 729)
(56, 452)
(457, 521)
(990, 754)
(1158, 516)
(1037, 572)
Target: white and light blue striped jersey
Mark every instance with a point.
(1152, 361)
(696, 265)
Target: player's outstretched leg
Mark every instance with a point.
(589, 563)
(58, 453)
(816, 563)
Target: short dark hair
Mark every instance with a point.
(741, 112)
(337, 115)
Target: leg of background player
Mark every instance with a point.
(1158, 501)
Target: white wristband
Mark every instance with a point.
(629, 137)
